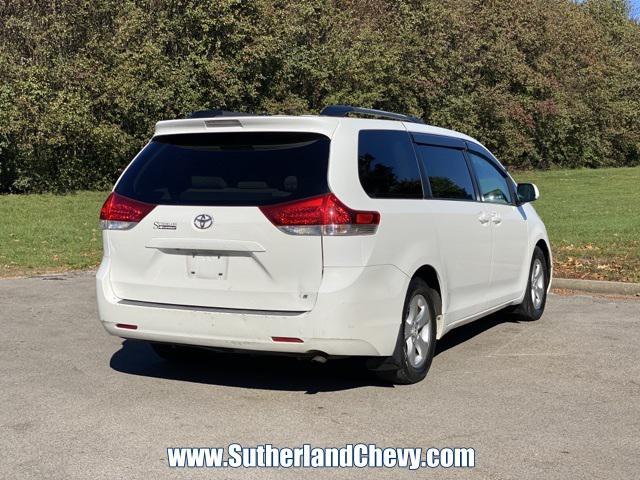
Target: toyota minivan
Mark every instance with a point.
(319, 236)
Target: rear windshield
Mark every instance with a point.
(228, 169)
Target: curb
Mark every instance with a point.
(52, 275)
(597, 286)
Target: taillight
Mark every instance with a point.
(122, 213)
(323, 215)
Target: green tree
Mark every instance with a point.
(543, 83)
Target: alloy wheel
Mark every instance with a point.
(417, 331)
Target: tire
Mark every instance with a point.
(535, 297)
(416, 342)
(173, 353)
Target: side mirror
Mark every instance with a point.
(527, 192)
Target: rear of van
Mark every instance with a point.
(213, 236)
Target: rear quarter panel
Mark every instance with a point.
(405, 236)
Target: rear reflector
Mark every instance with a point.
(322, 215)
(127, 326)
(122, 213)
(287, 339)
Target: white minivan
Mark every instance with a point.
(319, 236)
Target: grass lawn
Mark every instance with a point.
(49, 233)
(593, 219)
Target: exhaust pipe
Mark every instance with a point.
(319, 358)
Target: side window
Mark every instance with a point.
(448, 172)
(387, 164)
(493, 185)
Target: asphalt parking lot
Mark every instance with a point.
(557, 398)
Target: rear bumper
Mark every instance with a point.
(357, 312)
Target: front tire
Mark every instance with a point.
(535, 298)
(416, 341)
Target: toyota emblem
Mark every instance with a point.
(203, 221)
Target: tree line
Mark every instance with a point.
(542, 83)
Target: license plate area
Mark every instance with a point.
(207, 266)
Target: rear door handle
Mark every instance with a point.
(209, 244)
(495, 218)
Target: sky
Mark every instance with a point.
(635, 8)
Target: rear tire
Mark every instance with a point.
(416, 342)
(535, 297)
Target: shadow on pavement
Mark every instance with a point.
(466, 332)
(273, 372)
(246, 370)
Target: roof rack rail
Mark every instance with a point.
(217, 113)
(344, 110)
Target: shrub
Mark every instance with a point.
(543, 83)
